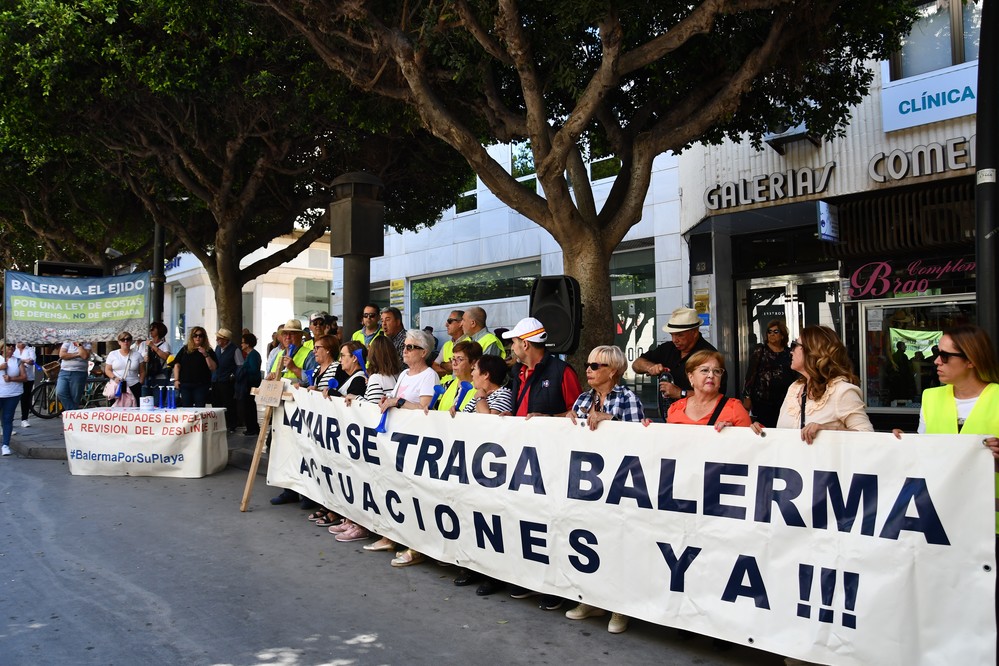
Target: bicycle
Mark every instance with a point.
(45, 403)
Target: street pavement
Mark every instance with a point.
(145, 570)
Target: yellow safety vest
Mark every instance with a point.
(489, 339)
(299, 358)
(359, 336)
(450, 393)
(940, 414)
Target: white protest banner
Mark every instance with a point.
(185, 443)
(860, 549)
(45, 309)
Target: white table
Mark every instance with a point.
(187, 443)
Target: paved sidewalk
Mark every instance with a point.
(43, 439)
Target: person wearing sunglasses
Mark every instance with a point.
(126, 365)
(769, 375)
(827, 397)
(456, 331)
(193, 368)
(706, 403)
(370, 325)
(607, 399)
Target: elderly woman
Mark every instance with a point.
(192, 369)
(706, 405)
(606, 399)
(248, 377)
(769, 375)
(464, 355)
(827, 396)
(355, 383)
(414, 390)
(326, 349)
(126, 365)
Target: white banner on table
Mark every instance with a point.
(187, 443)
(861, 549)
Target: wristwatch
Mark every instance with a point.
(400, 403)
(683, 393)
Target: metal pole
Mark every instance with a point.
(356, 291)
(158, 278)
(986, 229)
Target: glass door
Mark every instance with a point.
(800, 300)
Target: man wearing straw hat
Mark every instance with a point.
(684, 327)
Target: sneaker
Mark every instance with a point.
(25, 424)
(550, 603)
(286, 497)
(618, 623)
(518, 592)
(6, 450)
(583, 611)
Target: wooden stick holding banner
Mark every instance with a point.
(270, 394)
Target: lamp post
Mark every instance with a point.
(357, 219)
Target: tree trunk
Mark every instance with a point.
(228, 285)
(586, 259)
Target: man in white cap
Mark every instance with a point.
(543, 384)
(684, 327)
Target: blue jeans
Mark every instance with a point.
(193, 395)
(7, 408)
(69, 387)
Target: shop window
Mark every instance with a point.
(474, 286)
(899, 346)
(947, 33)
(311, 296)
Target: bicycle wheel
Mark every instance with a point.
(44, 401)
(93, 395)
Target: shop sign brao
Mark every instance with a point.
(952, 155)
(764, 188)
(882, 278)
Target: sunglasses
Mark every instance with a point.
(412, 347)
(124, 339)
(596, 366)
(198, 335)
(945, 356)
(370, 315)
(452, 321)
(773, 331)
(796, 344)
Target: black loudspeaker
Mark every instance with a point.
(555, 303)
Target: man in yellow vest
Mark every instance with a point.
(296, 359)
(442, 366)
(473, 322)
(370, 325)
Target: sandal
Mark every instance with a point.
(357, 533)
(382, 544)
(408, 558)
(329, 519)
(317, 515)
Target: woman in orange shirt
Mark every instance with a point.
(707, 405)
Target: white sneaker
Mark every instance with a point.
(6, 450)
(583, 611)
(618, 623)
(25, 424)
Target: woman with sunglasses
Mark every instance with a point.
(607, 399)
(706, 404)
(827, 397)
(193, 368)
(769, 375)
(126, 365)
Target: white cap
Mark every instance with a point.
(529, 329)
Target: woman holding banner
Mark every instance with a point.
(827, 396)
(383, 367)
(355, 383)
(707, 405)
(464, 354)
(606, 400)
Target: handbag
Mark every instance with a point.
(126, 399)
(111, 389)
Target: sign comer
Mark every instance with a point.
(769, 187)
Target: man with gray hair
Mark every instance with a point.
(393, 329)
(473, 321)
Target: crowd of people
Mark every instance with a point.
(807, 384)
